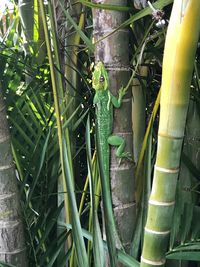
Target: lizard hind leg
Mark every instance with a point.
(115, 140)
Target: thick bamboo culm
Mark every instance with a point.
(179, 55)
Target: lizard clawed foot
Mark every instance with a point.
(125, 155)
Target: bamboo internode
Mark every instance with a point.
(179, 54)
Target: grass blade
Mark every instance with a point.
(99, 257)
(87, 41)
(76, 229)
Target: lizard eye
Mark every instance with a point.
(101, 79)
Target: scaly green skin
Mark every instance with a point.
(104, 102)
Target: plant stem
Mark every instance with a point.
(179, 54)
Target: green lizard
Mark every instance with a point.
(104, 102)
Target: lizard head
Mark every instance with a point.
(100, 77)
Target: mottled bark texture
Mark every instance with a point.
(113, 51)
(12, 244)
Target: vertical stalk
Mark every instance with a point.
(179, 54)
(138, 112)
(65, 155)
(30, 16)
(12, 243)
(67, 60)
(191, 150)
(65, 213)
(72, 42)
(26, 11)
(113, 52)
(187, 182)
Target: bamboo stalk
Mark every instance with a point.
(179, 54)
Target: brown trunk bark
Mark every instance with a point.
(113, 51)
(12, 243)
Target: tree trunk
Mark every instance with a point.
(113, 51)
(12, 243)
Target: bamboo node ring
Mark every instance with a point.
(166, 170)
(156, 263)
(6, 167)
(160, 203)
(156, 232)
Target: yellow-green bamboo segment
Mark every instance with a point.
(179, 54)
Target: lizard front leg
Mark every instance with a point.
(118, 101)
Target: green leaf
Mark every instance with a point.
(3, 264)
(124, 258)
(99, 256)
(187, 251)
(195, 223)
(41, 163)
(187, 219)
(192, 168)
(106, 6)
(77, 28)
(76, 229)
(146, 11)
(185, 255)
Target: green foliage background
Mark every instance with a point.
(27, 87)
